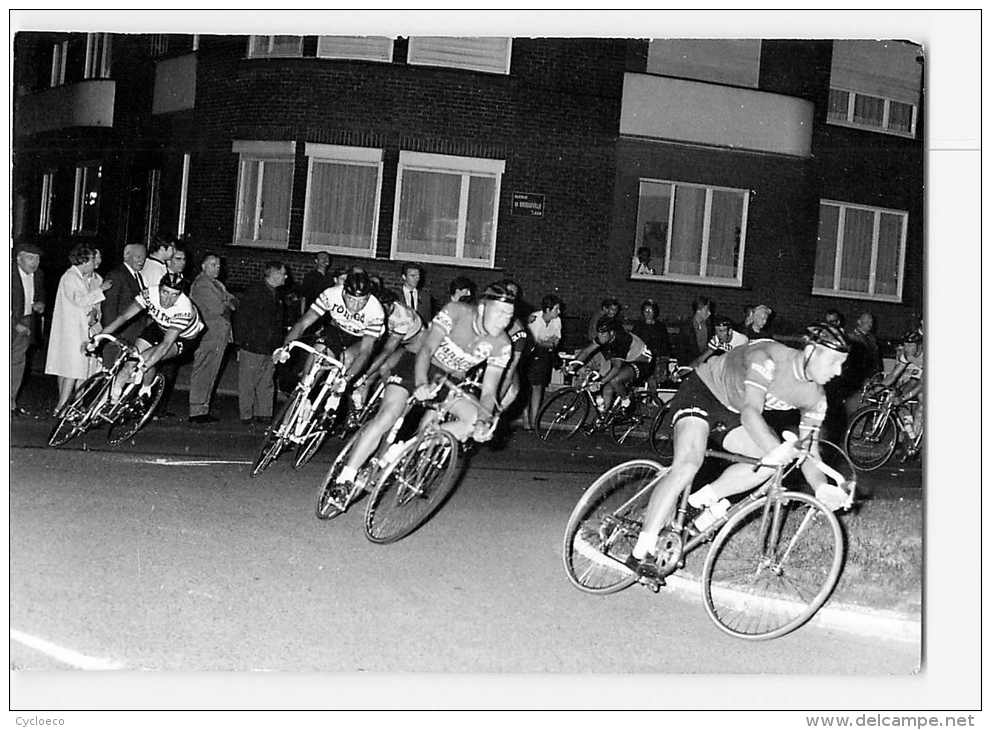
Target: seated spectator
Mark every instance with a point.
(461, 289)
(834, 317)
(758, 328)
(545, 329)
(725, 339)
(641, 262)
(655, 334)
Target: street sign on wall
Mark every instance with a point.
(528, 204)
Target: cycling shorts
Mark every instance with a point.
(694, 399)
(642, 369)
(154, 335)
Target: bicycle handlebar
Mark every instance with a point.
(127, 349)
(329, 360)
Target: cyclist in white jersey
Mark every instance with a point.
(404, 331)
(356, 322)
(176, 323)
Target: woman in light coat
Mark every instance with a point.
(75, 318)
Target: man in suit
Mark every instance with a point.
(413, 296)
(127, 284)
(27, 301)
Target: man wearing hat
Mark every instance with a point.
(27, 301)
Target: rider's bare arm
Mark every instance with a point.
(390, 346)
(302, 324)
(156, 353)
(365, 349)
(132, 310)
(752, 419)
(434, 338)
(615, 365)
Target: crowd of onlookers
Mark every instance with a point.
(255, 322)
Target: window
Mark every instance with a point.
(446, 209)
(342, 199)
(97, 56)
(849, 108)
(153, 205)
(159, 44)
(363, 48)
(695, 233)
(86, 199)
(45, 206)
(60, 52)
(475, 54)
(183, 195)
(860, 252)
(275, 46)
(264, 193)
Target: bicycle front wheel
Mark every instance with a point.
(412, 488)
(319, 430)
(765, 578)
(605, 524)
(134, 414)
(80, 411)
(871, 438)
(632, 429)
(562, 415)
(275, 436)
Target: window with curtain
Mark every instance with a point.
(363, 48)
(275, 46)
(343, 189)
(60, 52)
(264, 193)
(860, 251)
(695, 233)
(86, 199)
(447, 209)
(97, 56)
(475, 54)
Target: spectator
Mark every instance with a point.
(725, 339)
(258, 333)
(316, 280)
(863, 362)
(758, 328)
(162, 249)
(377, 284)
(416, 299)
(695, 334)
(545, 329)
(215, 304)
(75, 318)
(27, 301)
(641, 262)
(170, 367)
(834, 317)
(655, 334)
(462, 289)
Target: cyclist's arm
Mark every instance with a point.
(911, 391)
(896, 372)
(587, 352)
(490, 385)
(302, 324)
(752, 418)
(365, 349)
(434, 338)
(391, 345)
(508, 373)
(709, 351)
(124, 316)
(615, 365)
(155, 354)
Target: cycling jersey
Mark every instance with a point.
(913, 367)
(517, 336)
(736, 340)
(404, 322)
(774, 369)
(625, 346)
(369, 320)
(463, 345)
(182, 315)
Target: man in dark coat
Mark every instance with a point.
(27, 302)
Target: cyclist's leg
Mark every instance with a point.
(736, 478)
(691, 434)
(394, 399)
(465, 414)
(617, 387)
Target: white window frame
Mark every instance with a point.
(467, 167)
(153, 205)
(361, 48)
(83, 171)
(60, 52)
(97, 56)
(158, 44)
(261, 152)
(45, 204)
(196, 42)
(884, 128)
(363, 156)
(702, 278)
(269, 40)
(184, 194)
(870, 294)
(421, 54)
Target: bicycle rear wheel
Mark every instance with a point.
(662, 436)
(275, 438)
(761, 581)
(632, 429)
(79, 413)
(605, 524)
(562, 415)
(133, 414)
(412, 488)
(871, 438)
(319, 430)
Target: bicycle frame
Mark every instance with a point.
(126, 352)
(883, 399)
(327, 396)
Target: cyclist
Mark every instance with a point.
(175, 325)
(404, 332)
(906, 378)
(460, 337)
(356, 322)
(734, 390)
(509, 388)
(630, 361)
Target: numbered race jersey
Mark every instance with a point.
(771, 367)
(464, 345)
(404, 321)
(182, 315)
(369, 320)
(913, 367)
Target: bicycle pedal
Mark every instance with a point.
(654, 584)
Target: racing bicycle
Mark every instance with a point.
(876, 429)
(775, 555)
(95, 404)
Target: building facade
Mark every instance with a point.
(781, 172)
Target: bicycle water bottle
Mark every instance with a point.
(908, 423)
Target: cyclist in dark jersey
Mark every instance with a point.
(460, 337)
(509, 388)
(733, 391)
(630, 360)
